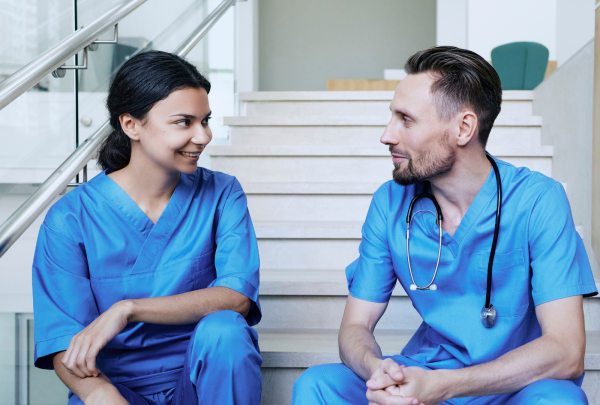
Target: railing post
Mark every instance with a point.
(596, 140)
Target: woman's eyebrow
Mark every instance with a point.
(187, 116)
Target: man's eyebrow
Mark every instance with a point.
(403, 112)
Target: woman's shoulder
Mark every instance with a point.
(217, 181)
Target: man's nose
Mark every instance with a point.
(389, 137)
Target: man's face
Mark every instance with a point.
(419, 140)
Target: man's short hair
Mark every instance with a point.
(464, 80)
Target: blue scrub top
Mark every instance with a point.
(97, 247)
(539, 258)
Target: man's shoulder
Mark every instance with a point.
(527, 183)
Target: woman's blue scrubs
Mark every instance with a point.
(539, 258)
(96, 247)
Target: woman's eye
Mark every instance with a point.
(205, 121)
(184, 123)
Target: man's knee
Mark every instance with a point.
(550, 392)
(328, 384)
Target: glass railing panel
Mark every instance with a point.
(30, 27)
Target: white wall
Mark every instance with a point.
(574, 27)
(563, 26)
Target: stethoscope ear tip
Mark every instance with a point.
(413, 287)
(433, 287)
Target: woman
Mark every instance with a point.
(145, 279)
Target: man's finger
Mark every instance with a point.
(384, 398)
(393, 369)
(381, 382)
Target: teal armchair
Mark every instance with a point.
(520, 65)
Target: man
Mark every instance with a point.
(442, 115)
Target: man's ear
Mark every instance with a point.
(130, 126)
(468, 127)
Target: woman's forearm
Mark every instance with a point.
(185, 308)
(82, 387)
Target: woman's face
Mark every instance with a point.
(174, 133)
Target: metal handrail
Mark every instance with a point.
(26, 77)
(37, 202)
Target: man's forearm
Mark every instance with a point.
(359, 350)
(186, 308)
(542, 358)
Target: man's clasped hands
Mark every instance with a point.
(394, 384)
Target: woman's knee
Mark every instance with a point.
(224, 333)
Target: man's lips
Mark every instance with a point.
(396, 158)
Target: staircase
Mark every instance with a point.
(309, 163)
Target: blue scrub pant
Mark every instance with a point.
(336, 384)
(222, 366)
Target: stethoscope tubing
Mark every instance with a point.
(439, 219)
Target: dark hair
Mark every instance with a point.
(140, 83)
(464, 79)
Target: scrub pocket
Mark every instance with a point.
(511, 286)
(204, 270)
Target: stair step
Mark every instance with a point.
(302, 348)
(309, 253)
(309, 282)
(360, 135)
(511, 95)
(350, 188)
(308, 229)
(340, 120)
(357, 151)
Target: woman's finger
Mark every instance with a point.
(71, 363)
(91, 359)
(82, 354)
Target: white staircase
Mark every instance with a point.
(309, 163)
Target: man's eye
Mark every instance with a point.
(205, 121)
(184, 123)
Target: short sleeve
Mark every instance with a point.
(559, 263)
(236, 258)
(371, 277)
(63, 302)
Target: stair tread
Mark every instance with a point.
(308, 347)
(357, 151)
(308, 282)
(511, 95)
(366, 120)
(352, 188)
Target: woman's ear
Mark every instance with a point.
(468, 127)
(130, 126)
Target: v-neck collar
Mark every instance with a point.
(487, 191)
(156, 234)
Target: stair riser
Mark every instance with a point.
(278, 384)
(325, 312)
(291, 254)
(330, 169)
(308, 207)
(351, 108)
(354, 135)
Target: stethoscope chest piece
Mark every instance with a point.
(488, 316)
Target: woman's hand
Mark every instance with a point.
(80, 358)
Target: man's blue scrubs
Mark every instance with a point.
(539, 258)
(97, 247)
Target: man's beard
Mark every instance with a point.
(425, 166)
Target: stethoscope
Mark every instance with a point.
(488, 312)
